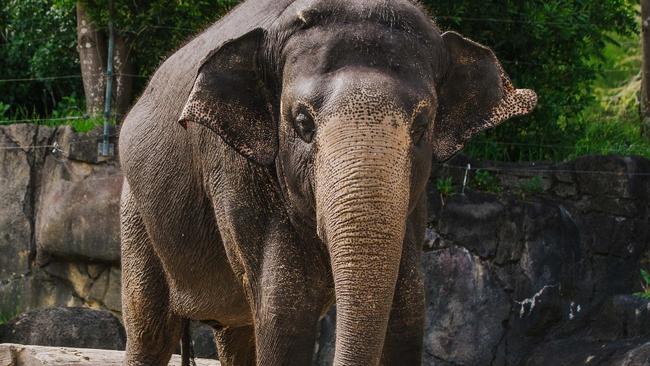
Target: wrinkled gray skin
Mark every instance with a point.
(296, 175)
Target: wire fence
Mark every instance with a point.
(501, 20)
(541, 171)
(61, 77)
(53, 145)
(58, 151)
(445, 17)
(48, 78)
(448, 17)
(36, 120)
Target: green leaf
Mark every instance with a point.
(646, 276)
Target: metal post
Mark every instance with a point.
(469, 166)
(105, 146)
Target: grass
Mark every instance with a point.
(69, 111)
(613, 136)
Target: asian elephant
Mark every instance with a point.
(278, 161)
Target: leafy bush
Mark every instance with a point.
(564, 49)
(531, 186)
(4, 110)
(645, 277)
(483, 180)
(5, 317)
(67, 111)
(445, 186)
(555, 47)
(37, 39)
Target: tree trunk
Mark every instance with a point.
(124, 73)
(645, 85)
(92, 47)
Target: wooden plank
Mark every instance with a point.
(24, 355)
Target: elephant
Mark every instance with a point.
(277, 164)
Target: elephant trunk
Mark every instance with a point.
(362, 192)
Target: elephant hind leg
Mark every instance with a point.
(153, 331)
(236, 346)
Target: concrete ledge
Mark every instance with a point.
(22, 355)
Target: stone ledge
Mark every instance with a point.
(22, 355)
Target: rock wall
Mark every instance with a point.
(59, 222)
(539, 273)
(517, 277)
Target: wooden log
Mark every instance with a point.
(23, 355)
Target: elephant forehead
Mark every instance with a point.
(323, 36)
(369, 99)
(368, 105)
(397, 14)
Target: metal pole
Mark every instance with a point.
(109, 83)
(469, 166)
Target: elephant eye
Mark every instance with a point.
(304, 126)
(419, 127)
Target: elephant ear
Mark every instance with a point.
(476, 94)
(230, 98)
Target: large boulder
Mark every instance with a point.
(66, 327)
(22, 150)
(578, 351)
(618, 334)
(466, 308)
(78, 210)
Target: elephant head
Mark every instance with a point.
(350, 102)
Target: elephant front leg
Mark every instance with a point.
(152, 330)
(403, 344)
(290, 294)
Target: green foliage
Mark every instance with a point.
(67, 111)
(73, 107)
(483, 180)
(612, 125)
(4, 110)
(617, 87)
(581, 56)
(645, 277)
(555, 47)
(612, 136)
(5, 317)
(445, 186)
(532, 186)
(37, 39)
(155, 28)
